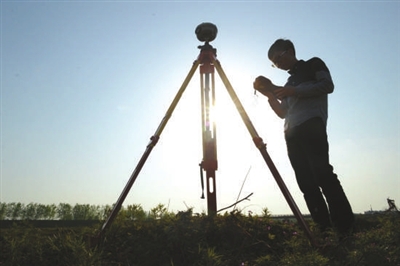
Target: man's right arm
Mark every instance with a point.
(267, 88)
(278, 107)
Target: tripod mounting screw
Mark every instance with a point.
(206, 32)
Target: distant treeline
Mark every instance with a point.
(80, 212)
(65, 211)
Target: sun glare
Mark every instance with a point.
(181, 144)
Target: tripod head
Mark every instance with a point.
(206, 32)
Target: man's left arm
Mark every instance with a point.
(322, 83)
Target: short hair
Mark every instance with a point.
(281, 45)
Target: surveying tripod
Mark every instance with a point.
(208, 63)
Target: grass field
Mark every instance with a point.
(186, 239)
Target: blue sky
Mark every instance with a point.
(85, 84)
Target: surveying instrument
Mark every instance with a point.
(207, 63)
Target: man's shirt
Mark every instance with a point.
(313, 83)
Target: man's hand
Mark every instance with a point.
(263, 84)
(282, 92)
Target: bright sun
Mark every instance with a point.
(181, 143)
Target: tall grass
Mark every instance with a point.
(165, 238)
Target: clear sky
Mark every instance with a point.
(85, 84)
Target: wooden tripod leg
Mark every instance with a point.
(262, 147)
(150, 146)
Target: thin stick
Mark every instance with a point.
(248, 171)
(246, 198)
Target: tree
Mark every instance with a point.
(15, 211)
(30, 212)
(51, 211)
(64, 211)
(3, 210)
(85, 212)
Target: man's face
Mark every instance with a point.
(280, 59)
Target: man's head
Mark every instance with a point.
(282, 54)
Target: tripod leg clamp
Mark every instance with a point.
(259, 143)
(153, 141)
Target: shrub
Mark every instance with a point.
(165, 238)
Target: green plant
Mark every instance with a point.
(164, 238)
